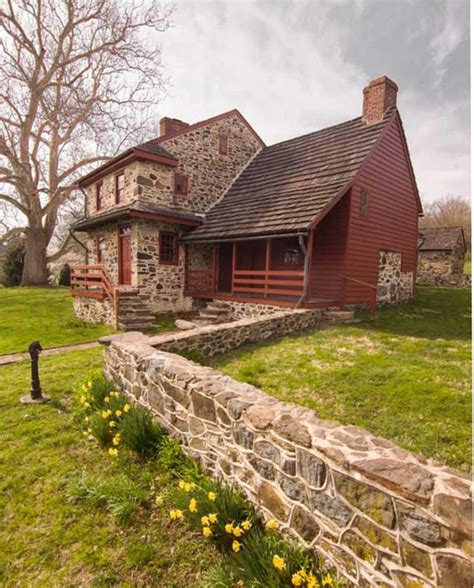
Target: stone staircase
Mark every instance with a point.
(214, 312)
(133, 314)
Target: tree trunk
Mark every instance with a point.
(35, 269)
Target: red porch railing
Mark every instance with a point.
(373, 293)
(199, 281)
(92, 281)
(268, 283)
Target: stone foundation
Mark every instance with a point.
(381, 515)
(94, 311)
(394, 286)
(242, 310)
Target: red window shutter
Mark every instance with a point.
(181, 184)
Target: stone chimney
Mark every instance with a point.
(171, 126)
(379, 95)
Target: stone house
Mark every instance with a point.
(441, 256)
(208, 212)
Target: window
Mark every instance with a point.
(99, 195)
(168, 248)
(364, 203)
(180, 184)
(291, 256)
(119, 187)
(223, 144)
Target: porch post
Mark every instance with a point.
(234, 246)
(214, 267)
(309, 260)
(267, 266)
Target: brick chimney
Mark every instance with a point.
(379, 95)
(171, 126)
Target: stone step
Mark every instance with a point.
(218, 304)
(135, 326)
(339, 314)
(214, 312)
(135, 312)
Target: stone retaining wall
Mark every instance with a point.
(94, 311)
(381, 515)
(214, 339)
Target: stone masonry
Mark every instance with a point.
(442, 268)
(382, 516)
(393, 286)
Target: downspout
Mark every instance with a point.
(306, 270)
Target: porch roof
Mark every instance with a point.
(138, 210)
(288, 185)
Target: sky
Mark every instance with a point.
(295, 66)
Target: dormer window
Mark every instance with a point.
(99, 195)
(119, 187)
(181, 184)
(223, 144)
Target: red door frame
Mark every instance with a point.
(120, 256)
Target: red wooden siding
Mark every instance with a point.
(392, 219)
(329, 248)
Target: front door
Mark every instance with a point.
(125, 256)
(224, 267)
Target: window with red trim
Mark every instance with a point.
(119, 187)
(168, 248)
(99, 244)
(99, 195)
(223, 144)
(364, 203)
(181, 184)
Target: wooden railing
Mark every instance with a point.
(199, 281)
(266, 284)
(92, 281)
(373, 293)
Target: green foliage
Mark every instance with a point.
(140, 433)
(119, 494)
(13, 264)
(175, 462)
(193, 355)
(99, 428)
(64, 278)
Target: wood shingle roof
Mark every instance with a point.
(288, 184)
(440, 238)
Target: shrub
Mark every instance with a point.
(64, 278)
(13, 264)
(140, 433)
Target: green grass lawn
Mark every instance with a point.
(406, 376)
(48, 540)
(44, 314)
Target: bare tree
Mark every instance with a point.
(77, 81)
(449, 211)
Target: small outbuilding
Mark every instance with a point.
(441, 255)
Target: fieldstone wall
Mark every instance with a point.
(381, 515)
(393, 286)
(161, 287)
(210, 173)
(442, 268)
(108, 182)
(242, 310)
(94, 311)
(214, 339)
(108, 236)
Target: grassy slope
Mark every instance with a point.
(44, 314)
(45, 540)
(405, 376)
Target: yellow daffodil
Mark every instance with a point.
(236, 546)
(118, 413)
(311, 581)
(86, 419)
(158, 500)
(105, 414)
(212, 518)
(246, 525)
(211, 496)
(207, 531)
(115, 394)
(229, 528)
(89, 385)
(176, 514)
(205, 521)
(327, 581)
(237, 531)
(279, 563)
(116, 439)
(189, 486)
(303, 574)
(272, 524)
(89, 430)
(84, 433)
(126, 408)
(112, 452)
(297, 580)
(192, 505)
(82, 399)
(181, 484)
(87, 404)
(112, 424)
(106, 400)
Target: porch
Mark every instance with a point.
(274, 271)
